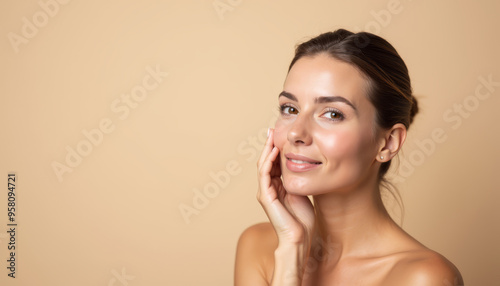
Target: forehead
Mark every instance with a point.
(323, 75)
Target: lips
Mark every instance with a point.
(302, 159)
(299, 163)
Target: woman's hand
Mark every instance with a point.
(291, 215)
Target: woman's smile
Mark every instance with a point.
(299, 163)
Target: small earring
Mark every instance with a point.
(381, 157)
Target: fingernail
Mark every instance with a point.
(268, 131)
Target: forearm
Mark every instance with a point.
(288, 266)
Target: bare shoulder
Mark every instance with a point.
(255, 255)
(260, 238)
(424, 267)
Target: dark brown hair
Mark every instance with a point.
(389, 83)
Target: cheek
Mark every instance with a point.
(347, 146)
(280, 134)
(334, 144)
(340, 144)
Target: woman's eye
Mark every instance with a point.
(334, 115)
(289, 109)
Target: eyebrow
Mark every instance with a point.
(321, 99)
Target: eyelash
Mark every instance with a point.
(341, 116)
(282, 108)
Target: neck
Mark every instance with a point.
(351, 224)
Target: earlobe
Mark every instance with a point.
(393, 141)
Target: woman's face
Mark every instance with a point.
(326, 130)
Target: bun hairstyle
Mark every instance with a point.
(388, 80)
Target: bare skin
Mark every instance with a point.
(326, 145)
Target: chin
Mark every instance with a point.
(298, 186)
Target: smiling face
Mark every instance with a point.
(326, 132)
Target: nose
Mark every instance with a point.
(299, 132)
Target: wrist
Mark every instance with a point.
(291, 249)
(289, 261)
(287, 247)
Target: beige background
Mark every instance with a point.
(115, 219)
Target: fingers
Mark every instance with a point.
(267, 170)
(271, 194)
(276, 169)
(266, 162)
(268, 146)
(266, 175)
(269, 176)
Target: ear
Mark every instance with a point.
(391, 142)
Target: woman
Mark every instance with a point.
(346, 106)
